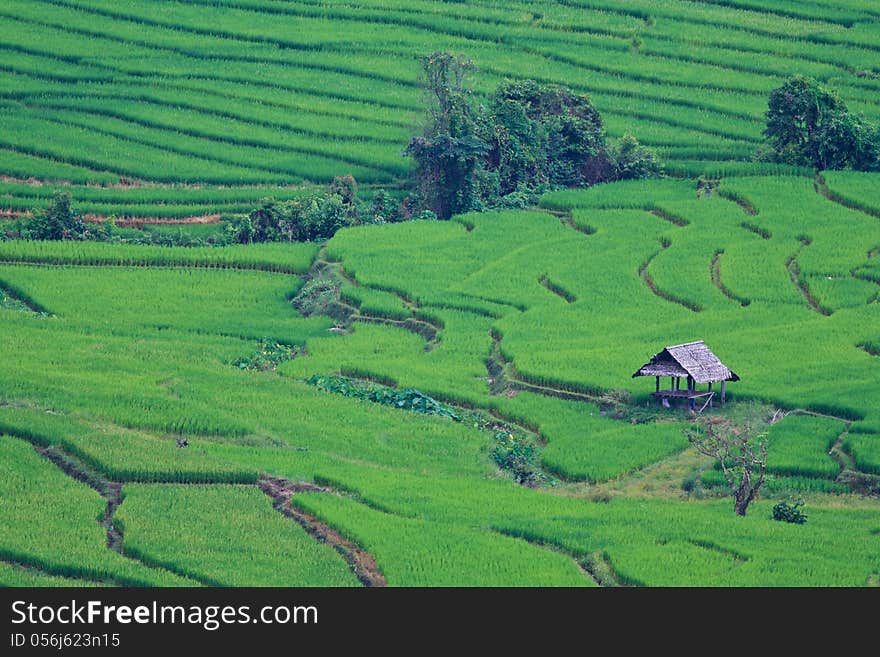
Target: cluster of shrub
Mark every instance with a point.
(530, 137)
(60, 221)
(57, 222)
(309, 217)
(319, 215)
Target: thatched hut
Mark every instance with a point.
(696, 364)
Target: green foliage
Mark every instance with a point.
(304, 219)
(516, 452)
(631, 160)
(532, 136)
(448, 153)
(269, 355)
(410, 400)
(785, 512)
(809, 125)
(314, 216)
(59, 222)
(543, 134)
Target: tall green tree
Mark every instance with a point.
(809, 125)
(449, 151)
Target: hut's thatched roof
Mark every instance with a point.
(693, 359)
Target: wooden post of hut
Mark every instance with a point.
(696, 363)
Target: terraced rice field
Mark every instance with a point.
(126, 403)
(256, 93)
(111, 380)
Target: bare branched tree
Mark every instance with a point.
(741, 451)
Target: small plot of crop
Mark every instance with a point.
(799, 446)
(414, 552)
(584, 444)
(121, 454)
(204, 530)
(39, 502)
(865, 448)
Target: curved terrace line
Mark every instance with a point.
(582, 566)
(112, 492)
(194, 154)
(361, 562)
(37, 96)
(761, 232)
(31, 566)
(94, 165)
(501, 73)
(202, 135)
(556, 289)
(281, 43)
(127, 80)
(645, 275)
(24, 299)
(695, 20)
(135, 77)
(744, 203)
(195, 54)
(658, 118)
(668, 216)
(431, 28)
(822, 189)
(800, 283)
(715, 274)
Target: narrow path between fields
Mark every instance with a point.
(110, 491)
(800, 282)
(361, 562)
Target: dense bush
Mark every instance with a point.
(785, 512)
(299, 220)
(449, 152)
(58, 222)
(539, 133)
(315, 216)
(531, 137)
(809, 125)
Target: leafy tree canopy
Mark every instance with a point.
(809, 125)
(528, 138)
